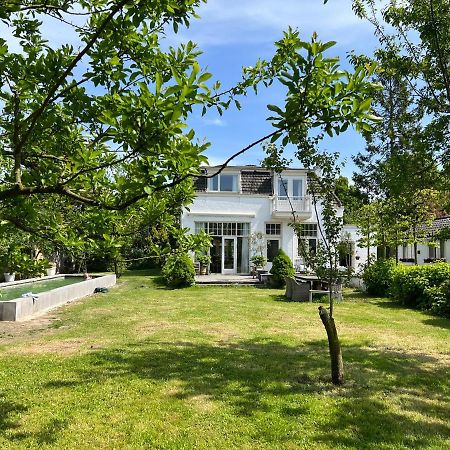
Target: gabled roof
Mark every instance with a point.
(437, 225)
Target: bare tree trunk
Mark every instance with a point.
(337, 364)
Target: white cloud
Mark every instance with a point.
(258, 21)
(218, 122)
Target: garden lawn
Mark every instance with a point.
(219, 368)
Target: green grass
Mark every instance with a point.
(223, 367)
(36, 287)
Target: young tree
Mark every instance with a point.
(321, 98)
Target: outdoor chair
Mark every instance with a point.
(295, 291)
(288, 293)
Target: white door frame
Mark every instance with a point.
(234, 269)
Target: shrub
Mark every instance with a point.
(178, 270)
(378, 276)
(441, 299)
(425, 287)
(282, 267)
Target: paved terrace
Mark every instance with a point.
(218, 278)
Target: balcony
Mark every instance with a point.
(283, 207)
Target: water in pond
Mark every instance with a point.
(12, 292)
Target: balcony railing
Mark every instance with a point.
(287, 205)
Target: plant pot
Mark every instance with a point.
(9, 276)
(203, 270)
(51, 271)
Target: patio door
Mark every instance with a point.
(229, 255)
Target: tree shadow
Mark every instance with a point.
(249, 374)
(9, 410)
(266, 376)
(387, 304)
(47, 435)
(439, 322)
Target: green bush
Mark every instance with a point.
(425, 287)
(178, 270)
(378, 276)
(281, 267)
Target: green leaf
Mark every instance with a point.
(158, 82)
(204, 77)
(114, 61)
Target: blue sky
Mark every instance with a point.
(233, 34)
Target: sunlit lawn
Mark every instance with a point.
(223, 367)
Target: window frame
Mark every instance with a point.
(272, 226)
(277, 239)
(217, 180)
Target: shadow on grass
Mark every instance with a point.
(9, 414)
(440, 322)
(382, 403)
(47, 435)
(390, 399)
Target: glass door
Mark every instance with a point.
(229, 255)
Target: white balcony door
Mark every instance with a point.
(229, 255)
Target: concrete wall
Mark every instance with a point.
(23, 308)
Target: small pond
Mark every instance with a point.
(36, 287)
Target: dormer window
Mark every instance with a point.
(297, 189)
(290, 187)
(283, 188)
(223, 182)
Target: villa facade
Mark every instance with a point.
(247, 210)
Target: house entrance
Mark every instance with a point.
(230, 246)
(229, 255)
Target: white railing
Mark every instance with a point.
(285, 205)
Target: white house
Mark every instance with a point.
(358, 255)
(436, 245)
(243, 200)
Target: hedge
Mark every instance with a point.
(426, 287)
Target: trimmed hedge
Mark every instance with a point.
(179, 271)
(425, 287)
(282, 267)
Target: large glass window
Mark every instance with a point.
(282, 187)
(309, 229)
(308, 239)
(297, 189)
(224, 183)
(223, 228)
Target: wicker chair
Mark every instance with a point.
(295, 291)
(288, 293)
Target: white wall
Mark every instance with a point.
(359, 259)
(256, 210)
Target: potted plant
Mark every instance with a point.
(204, 260)
(51, 269)
(258, 261)
(11, 264)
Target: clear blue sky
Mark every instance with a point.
(234, 33)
